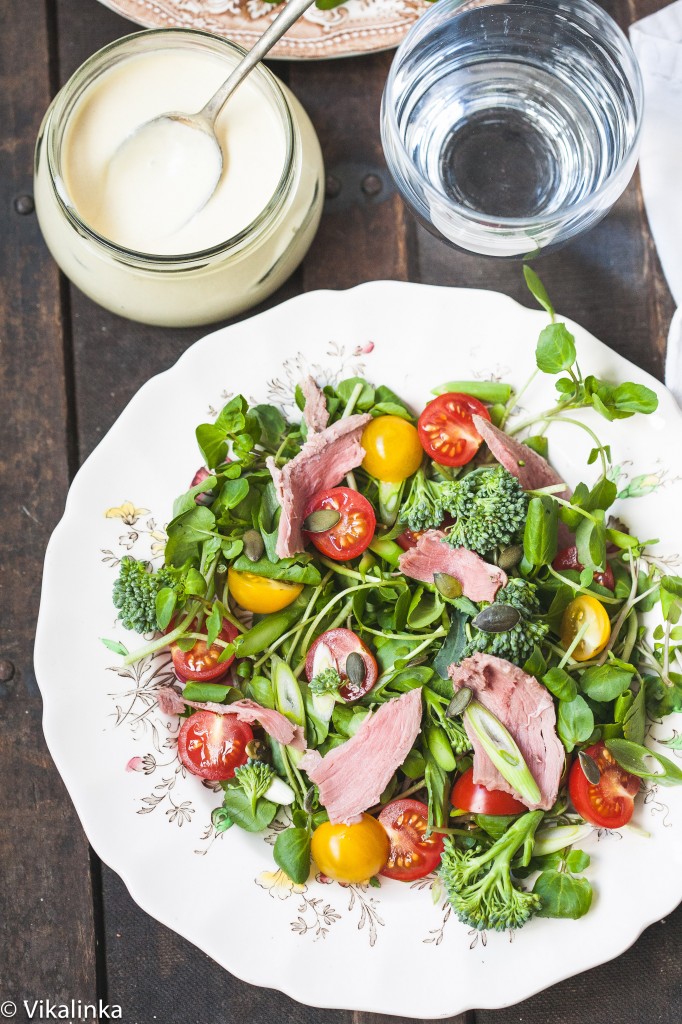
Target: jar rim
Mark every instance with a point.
(101, 61)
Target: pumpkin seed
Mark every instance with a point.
(510, 557)
(447, 585)
(258, 750)
(356, 670)
(322, 520)
(497, 618)
(253, 545)
(590, 768)
(459, 702)
(308, 800)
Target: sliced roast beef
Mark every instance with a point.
(527, 710)
(352, 776)
(432, 554)
(530, 469)
(315, 411)
(322, 462)
(275, 724)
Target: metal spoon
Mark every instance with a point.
(159, 163)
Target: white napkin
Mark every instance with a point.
(657, 42)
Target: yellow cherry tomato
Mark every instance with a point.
(351, 853)
(260, 594)
(588, 614)
(393, 449)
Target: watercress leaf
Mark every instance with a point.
(212, 444)
(165, 603)
(495, 824)
(563, 895)
(214, 624)
(272, 424)
(262, 691)
(537, 289)
(577, 861)
(114, 645)
(605, 682)
(414, 765)
(232, 417)
(590, 539)
(238, 805)
(560, 684)
(186, 501)
(538, 443)
(216, 692)
(425, 608)
(555, 349)
(291, 570)
(230, 547)
(186, 532)
(540, 533)
(631, 398)
(453, 645)
(634, 717)
(602, 495)
(575, 722)
(485, 390)
(565, 385)
(536, 664)
(365, 399)
(221, 820)
(195, 584)
(233, 492)
(292, 853)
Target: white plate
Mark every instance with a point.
(152, 825)
(354, 28)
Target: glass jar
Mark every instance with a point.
(201, 286)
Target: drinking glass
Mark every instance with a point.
(511, 127)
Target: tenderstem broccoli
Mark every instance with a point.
(515, 644)
(255, 778)
(422, 509)
(479, 883)
(136, 589)
(489, 507)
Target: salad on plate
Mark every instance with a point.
(403, 634)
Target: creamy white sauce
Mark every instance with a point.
(141, 189)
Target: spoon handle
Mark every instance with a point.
(284, 20)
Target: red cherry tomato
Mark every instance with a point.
(568, 559)
(354, 530)
(331, 650)
(611, 802)
(212, 746)
(413, 854)
(201, 663)
(446, 430)
(468, 795)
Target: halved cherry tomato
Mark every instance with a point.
(611, 802)
(471, 796)
(201, 663)
(585, 611)
(413, 854)
(331, 650)
(354, 531)
(350, 853)
(568, 559)
(259, 593)
(392, 449)
(446, 430)
(212, 746)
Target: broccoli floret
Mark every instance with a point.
(326, 681)
(135, 592)
(255, 778)
(479, 883)
(422, 509)
(490, 509)
(515, 644)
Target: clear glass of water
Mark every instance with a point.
(511, 126)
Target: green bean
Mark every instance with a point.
(265, 632)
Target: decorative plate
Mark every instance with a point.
(117, 753)
(356, 27)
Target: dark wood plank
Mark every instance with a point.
(47, 946)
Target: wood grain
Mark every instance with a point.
(83, 364)
(47, 938)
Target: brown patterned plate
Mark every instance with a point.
(356, 27)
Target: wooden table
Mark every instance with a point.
(68, 928)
